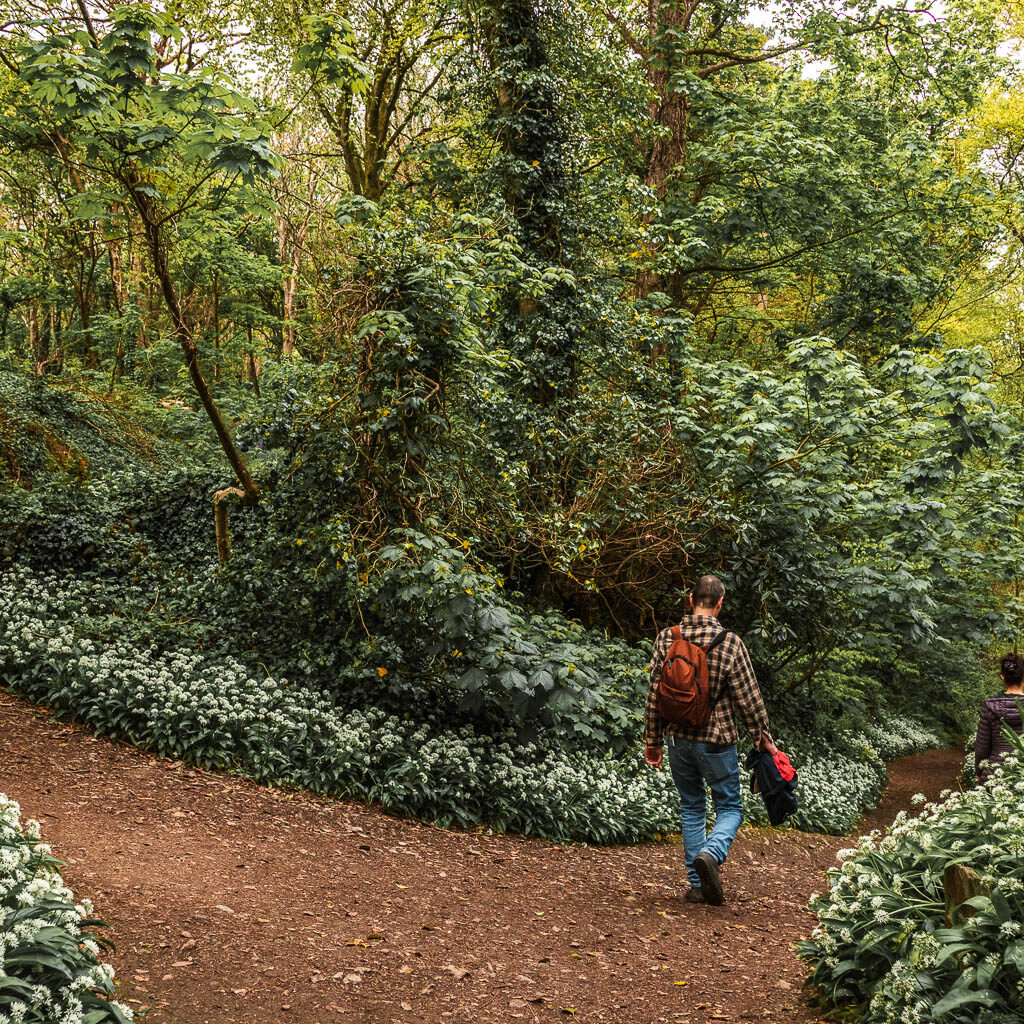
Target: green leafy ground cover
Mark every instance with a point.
(214, 712)
(884, 951)
(50, 969)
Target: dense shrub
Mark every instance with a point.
(212, 711)
(49, 959)
(329, 632)
(68, 429)
(329, 593)
(897, 736)
(884, 949)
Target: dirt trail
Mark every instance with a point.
(235, 904)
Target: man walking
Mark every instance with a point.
(706, 756)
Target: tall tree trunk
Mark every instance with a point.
(38, 357)
(56, 352)
(151, 227)
(531, 130)
(52, 335)
(250, 369)
(290, 240)
(144, 291)
(291, 289)
(216, 325)
(117, 288)
(82, 294)
(252, 372)
(669, 108)
(116, 276)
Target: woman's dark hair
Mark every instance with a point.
(1011, 667)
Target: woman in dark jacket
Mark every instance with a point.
(991, 745)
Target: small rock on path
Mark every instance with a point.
(231, 903)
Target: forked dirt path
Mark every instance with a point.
(235, 904)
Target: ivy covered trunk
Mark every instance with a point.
(535, 175)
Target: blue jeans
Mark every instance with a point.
(694, 765)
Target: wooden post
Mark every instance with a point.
(961, 883)
(220, 522)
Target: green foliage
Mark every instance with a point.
(463, 632)
(329, 53)
(552, 308)
(102, 668)
(50, 433)
(49, 955)
(423, 618)
(432, 296)
(113, 99)
(884, 948)
(534, 173)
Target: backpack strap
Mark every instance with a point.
(707, 650)
(677, 633)
(714, 643)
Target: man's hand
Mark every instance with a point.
(652, 755)
(767, 745)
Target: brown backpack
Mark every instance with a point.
(684, 690)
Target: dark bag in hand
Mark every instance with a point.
(778, 793)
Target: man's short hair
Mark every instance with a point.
(708, 592)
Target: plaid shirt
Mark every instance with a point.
(733, 687)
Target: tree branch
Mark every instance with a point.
(88, 22)
(627, 36)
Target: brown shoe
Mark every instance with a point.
(710, 884)
(695, 895)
